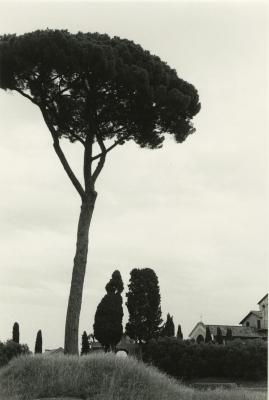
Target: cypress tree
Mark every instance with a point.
(108, 317)
(85, 346)
(38, 343)
(16, 333)
(208, 338)
(179, 333)
(229, 335)
(219, 337)
(169, 327)
(143, 303)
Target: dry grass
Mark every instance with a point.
(99, 377)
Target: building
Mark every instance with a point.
(253, 326)
(258, 319)
(126, 344)
(54, 352)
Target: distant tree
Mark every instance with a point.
(179, 333)
(219, 337)
(229, 335)
(85, 346)
(16, 333)
(143, 303)
(38, 342)
(108, 317)
(208, 337)
(168, 328)
(11, 349)
(99, 92)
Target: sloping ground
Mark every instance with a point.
(97, 377)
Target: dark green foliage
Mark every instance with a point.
(143, 303)
(11, 349)
(219, 337)
(183, 359)
(169, 328)
(16, 333)
(108, 317)
(229, 335)
(208, 337)
(38, 342)
(179, 333)
(115, 285)
(85, 346)
(130, 93)
(92, 88)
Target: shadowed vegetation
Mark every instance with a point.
(98, 377)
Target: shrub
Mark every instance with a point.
(11, 349)
(183, 359)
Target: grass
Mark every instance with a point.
(99, 377)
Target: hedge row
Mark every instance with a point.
(186, 360)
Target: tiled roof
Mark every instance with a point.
(258, 314)
(237, 331)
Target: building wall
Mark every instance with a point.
(200, 329)
(264, 310)
(252, 321)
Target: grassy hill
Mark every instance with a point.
(98, 377)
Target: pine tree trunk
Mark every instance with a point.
(79, 268)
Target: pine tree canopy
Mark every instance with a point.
(89, 82)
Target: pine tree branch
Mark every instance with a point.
(77, 137)
(87, 165)
(106, 151)
(26, 95)
(102, 159)
(61, 156)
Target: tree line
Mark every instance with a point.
(13, 348)
(144, 308)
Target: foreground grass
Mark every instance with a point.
(99, 377)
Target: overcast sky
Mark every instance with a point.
(197, 212)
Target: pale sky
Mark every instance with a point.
(197, 212)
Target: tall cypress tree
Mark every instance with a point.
(179, 333)
(85, 346)
(108, 317)
(219, 337)
(38, 342)
(229, 335)
(169, 327)
(208, 337)
(16, 333)
(143, 303)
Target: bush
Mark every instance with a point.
(11, 349)
(183, 359)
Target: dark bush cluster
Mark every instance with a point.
(187, 360)
(11, 349)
